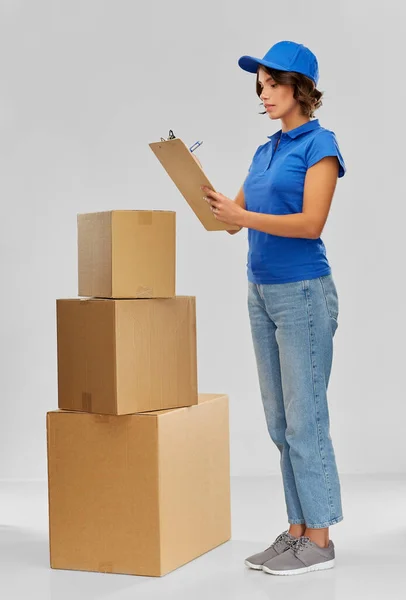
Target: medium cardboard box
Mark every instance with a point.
(126, 356)
(140, 494)
(127, 254)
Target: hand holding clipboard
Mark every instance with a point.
(187, 174)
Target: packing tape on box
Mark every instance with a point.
(145, 217)
(143, 291)
(87, 401)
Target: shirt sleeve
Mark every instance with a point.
(324, 144)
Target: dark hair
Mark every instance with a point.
(305, 91)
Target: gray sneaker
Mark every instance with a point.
(302, 556)
(282, 543)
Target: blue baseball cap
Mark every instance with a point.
(285, 56)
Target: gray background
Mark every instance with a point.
(87, 84)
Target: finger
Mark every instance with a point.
(214, 195)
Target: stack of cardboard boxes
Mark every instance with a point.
(138, 460)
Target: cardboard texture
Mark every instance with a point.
(140, 494)
(127, 254)
(188, 176)
(125, 356)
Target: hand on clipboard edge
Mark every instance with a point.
(207, 189)
(171, 153)
(230, 231)
(225, 210)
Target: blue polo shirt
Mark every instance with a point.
(275, 185)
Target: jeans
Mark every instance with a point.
(292, 326)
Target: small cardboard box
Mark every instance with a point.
(127, 254)
(140, 494)
(126, 356)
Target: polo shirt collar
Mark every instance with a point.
(293, 133)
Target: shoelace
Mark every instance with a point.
(299, 544)
(282, 537)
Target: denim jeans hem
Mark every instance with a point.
(325, 524)
(296, 521)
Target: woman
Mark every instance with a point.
(292, 299)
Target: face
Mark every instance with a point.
(281, 96)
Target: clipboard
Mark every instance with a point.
(188, 176)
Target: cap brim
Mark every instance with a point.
(251, 64)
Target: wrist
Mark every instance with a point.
(242, 220)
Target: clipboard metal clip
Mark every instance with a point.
(172, 136)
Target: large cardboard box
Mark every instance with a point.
(127, 254)
(126, 356)
(139, 494)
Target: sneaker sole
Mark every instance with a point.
(317, 567)
(253, 566)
